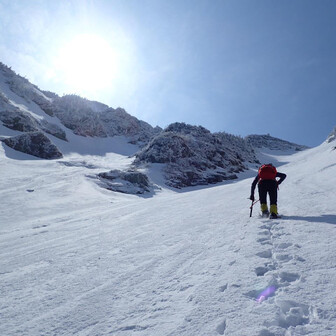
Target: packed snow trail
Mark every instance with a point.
(79, 260)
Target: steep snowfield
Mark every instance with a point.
(79, 260)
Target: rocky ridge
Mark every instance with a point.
(189, 155)
(269, 142)
(192, 155)
(82, 116)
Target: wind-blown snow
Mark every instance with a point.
(79, 260)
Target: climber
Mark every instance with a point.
(268, 183)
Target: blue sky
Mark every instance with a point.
(240, 66)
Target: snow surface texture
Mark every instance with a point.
(80, 260)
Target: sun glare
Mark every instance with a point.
(87, 63)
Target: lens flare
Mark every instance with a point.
(265, 294)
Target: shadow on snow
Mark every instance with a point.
(329, 219)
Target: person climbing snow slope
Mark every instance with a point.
(267, 184)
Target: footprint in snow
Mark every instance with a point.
(261, 271)
(221, 328)
(298, 258)
(293, 314)
(283, 257)
(267, 227)
(264, 241)
(288, 277)
(223, 288)
(265, 254)
(266, 332)
(264, 233)
(284, 246)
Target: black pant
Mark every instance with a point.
(270, 187)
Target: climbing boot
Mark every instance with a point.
(264, 210)
(274, 211)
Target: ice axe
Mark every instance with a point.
(251, 207)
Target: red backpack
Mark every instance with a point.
(267, 172)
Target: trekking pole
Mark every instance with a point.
(251, 207)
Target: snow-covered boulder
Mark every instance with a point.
(34, 143)
(128, 182)
(194, 156)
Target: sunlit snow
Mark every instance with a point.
(80, 260)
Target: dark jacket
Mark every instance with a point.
(257, 179)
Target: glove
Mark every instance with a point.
(252, 198)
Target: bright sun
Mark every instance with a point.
(87, 63)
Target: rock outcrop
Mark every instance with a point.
(34, 143)
(129, 182)
(192, 155)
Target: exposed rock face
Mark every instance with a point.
(239, 147)
(194, 156)
(18, 120)
(34, 143)
(119, 122)
(75, 114)
(82, 116)
(267, 141)
(332, 135)
(129, 182)
(88, 119)
(53, 129)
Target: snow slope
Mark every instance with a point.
(79, 260)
